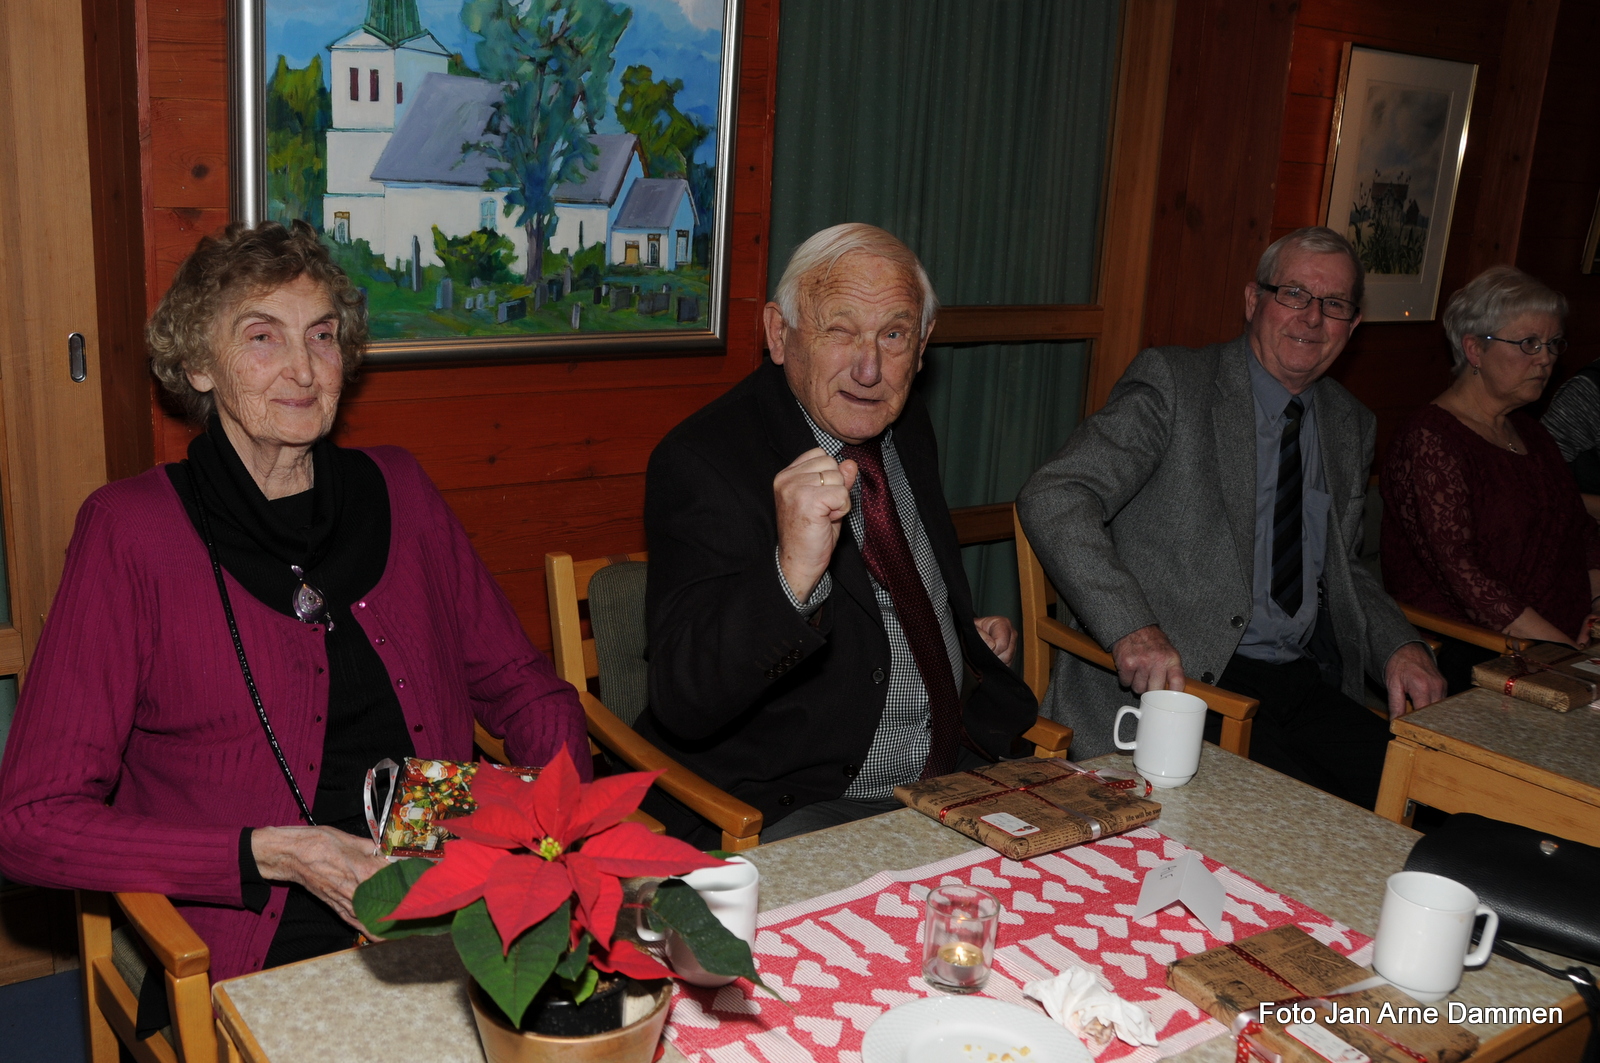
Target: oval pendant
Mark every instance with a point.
(308, 603)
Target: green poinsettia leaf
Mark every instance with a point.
(584, 987)
(511, 978)
(573, 964)
(382, 893)
(720, 854)
(714, 946)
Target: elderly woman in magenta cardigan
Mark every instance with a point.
(138, 759)
(1482, 521)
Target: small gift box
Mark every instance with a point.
(1021, 808)
(1555, 676)
(1310, 1020)
(423, 795)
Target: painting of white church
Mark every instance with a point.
(410, 135)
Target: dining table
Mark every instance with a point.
(409, 995)
(1498, 756)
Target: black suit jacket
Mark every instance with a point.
(775, 709)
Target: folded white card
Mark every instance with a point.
(1184, 881)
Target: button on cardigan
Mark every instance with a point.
(136, 756)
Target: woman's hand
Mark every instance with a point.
(1586, 631)
(1530, 625)
(328, 862)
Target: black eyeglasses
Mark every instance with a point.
(1532, 345)
(1299, 299)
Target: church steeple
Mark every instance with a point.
(393, 21)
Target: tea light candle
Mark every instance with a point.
(959, 938)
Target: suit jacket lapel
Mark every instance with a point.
(1233, 418)
(789, 437)
(1336, 435)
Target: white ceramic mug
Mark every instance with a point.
(731, 892)
(1424, 931)
(1166, 747)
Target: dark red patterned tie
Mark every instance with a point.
(888, 557)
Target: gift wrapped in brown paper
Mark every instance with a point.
(1286, 965)
(1555, 676)
(1022, 808)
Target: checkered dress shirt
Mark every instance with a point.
(900, 747)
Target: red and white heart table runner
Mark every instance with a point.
(841, 960)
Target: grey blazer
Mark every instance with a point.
(1147, 516)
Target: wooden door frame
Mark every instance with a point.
(54, 452)
(1113, 322)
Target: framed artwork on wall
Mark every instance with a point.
(504, 179)
(1394, 158)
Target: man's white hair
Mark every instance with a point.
(827, 247)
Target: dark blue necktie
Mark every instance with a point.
(1287, 563)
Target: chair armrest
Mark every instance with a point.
(495, 747)
(1050, 739)
(1234, 706)
(1469, 633)
(727, 812)
(169, 936)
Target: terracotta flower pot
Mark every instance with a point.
(633, 1043)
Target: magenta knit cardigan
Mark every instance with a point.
(136, 756)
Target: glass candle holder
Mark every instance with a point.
(958, 938)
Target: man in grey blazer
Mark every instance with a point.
(1207, 520)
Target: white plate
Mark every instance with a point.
(954, 1029)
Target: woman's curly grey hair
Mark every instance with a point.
(240, 262)
(1490, 301)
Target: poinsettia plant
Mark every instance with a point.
(530, 887)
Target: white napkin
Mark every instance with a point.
(1075, 999)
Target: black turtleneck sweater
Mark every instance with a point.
(338, 533)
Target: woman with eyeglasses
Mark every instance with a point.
(1482, 521)
(238, 637)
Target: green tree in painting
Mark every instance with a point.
(648, 109)
(480, 255)
(299, 112)
(552, 59)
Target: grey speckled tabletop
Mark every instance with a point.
(1565, 743)
(1329, 854)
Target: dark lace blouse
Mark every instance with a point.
(1477, 533)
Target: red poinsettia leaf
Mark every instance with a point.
(629, 849)
(522, 890)
(496, 823)
(491, 784)
(624, 957)
(454, 882)
(557, 792)
(599, 896)
(606, 801)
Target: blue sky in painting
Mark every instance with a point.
(676, 38)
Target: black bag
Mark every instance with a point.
(1544, 888)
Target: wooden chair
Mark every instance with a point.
(577, 661)
(1042, 633)
(112, 970)
(1426, 622)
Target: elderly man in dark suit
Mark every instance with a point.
(1208, 520)
(812, 637)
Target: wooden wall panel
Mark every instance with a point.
(1219, 156)
(111, 66)
(1226, 164)
(1392, 367)
(532, 456)
(1564, 181)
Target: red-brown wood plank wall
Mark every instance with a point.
(1564, 181)
(532, 457)
(1249, 115)
(1393, 367)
